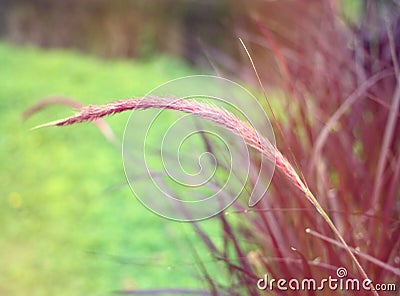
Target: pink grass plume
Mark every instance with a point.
(218, 116)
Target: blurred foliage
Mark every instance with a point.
(204, 33)
(118, 28)
(70, 224)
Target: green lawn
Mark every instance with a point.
(69, 224)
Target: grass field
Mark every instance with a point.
(69, 224)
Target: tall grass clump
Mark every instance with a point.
(341, 131)
(334, 202)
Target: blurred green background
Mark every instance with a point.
(69, 223)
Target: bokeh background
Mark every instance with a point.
(69, 223)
